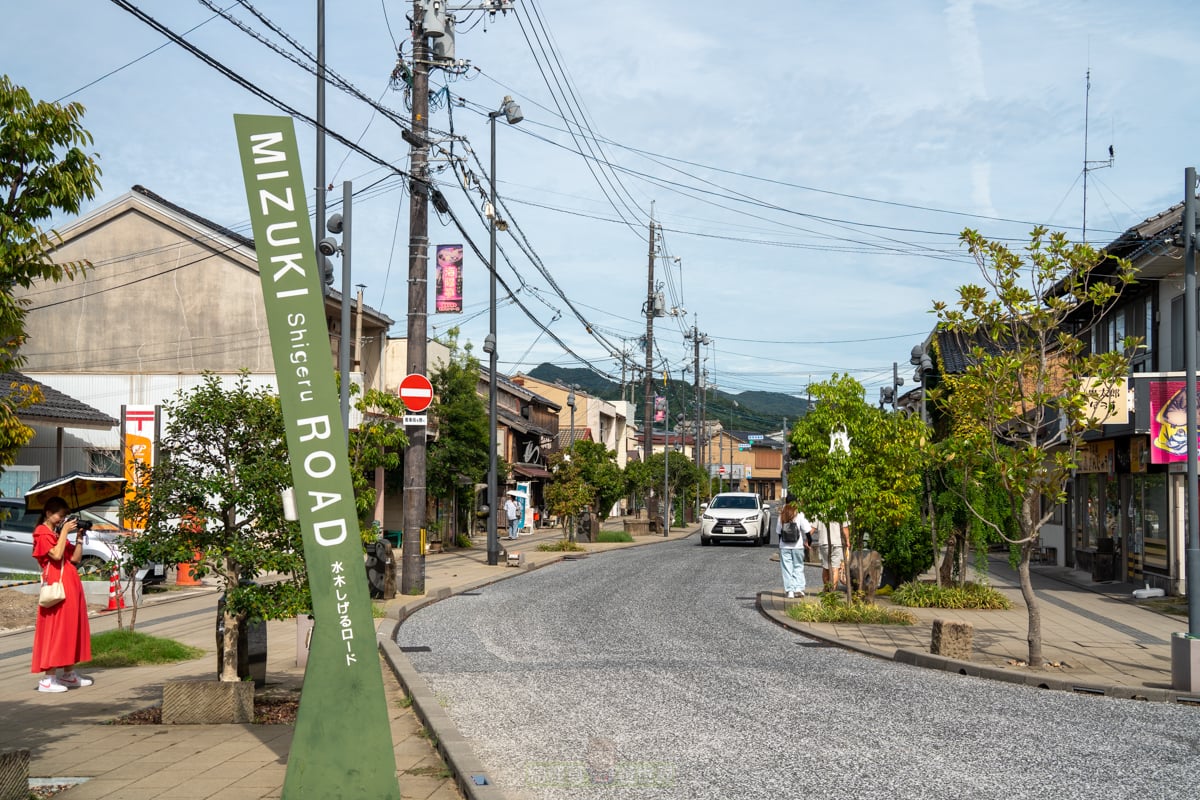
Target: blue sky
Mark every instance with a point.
(811, 163)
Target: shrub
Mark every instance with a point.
(559, 546)
(613, 536)
(463, 540)
(834, 608)
(970, 595)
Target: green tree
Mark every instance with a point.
(568, 493)
(953, 495)
(43, 171)
(876, 487)
(684, 477)
(598, 468)
(459, 455)
(215, 493)
(377, 442)
(1021, 407)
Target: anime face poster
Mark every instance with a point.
(449, 291)
(1168, 422)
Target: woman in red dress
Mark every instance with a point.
(62, 637)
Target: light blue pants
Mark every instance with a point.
(791, 560)
(512, 527)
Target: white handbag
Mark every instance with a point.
(51, 594)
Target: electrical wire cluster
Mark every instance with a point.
(626, 191)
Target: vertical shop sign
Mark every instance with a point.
(449, 289)
(139, 436)
(342, 745)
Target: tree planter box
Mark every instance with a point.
(1185, 663)
(207, 702)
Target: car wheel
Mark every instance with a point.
(91, 565)
(705, 541)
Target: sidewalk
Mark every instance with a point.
(70, 741)
(1096, 639)
(1103, 641)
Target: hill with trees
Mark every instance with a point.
(753, 412)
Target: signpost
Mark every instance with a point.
(342, 744)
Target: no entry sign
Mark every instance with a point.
(417, 392)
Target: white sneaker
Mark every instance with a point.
(791, 594)
(50, 684)
(73, 680)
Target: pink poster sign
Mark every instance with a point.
(1168, 422)
(449, 292)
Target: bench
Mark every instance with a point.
(1044, 555)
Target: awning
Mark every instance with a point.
(530, 471)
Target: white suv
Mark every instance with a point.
(736, 516)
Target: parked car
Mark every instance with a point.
(735, 516)
(101, 546)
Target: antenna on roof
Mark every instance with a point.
(1088, 166)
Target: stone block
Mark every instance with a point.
(952, 639)
(1185, 663)
(207, 702)
(14, 774)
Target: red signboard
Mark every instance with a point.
(417, 392)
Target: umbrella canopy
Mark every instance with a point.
(517, 493)
(79, 489)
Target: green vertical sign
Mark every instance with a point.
(342, 746)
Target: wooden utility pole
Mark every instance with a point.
(412, 574)
(647, 377)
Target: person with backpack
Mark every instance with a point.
(792, 529)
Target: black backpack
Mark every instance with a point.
(789, 533)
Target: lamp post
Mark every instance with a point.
(512, 114)
(571, 405)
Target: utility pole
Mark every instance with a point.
(647, 378)
(786, 466)
(412, 573)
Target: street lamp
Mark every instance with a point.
(512, 114)
(571, 404)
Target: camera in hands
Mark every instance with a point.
(82, 525)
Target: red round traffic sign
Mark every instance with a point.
(417, 392)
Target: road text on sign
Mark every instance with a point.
(416, 391)
(415, 420)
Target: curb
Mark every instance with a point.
(925, 660)
(469, 772)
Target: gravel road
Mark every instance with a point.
(649, 673)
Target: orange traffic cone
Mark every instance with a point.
(115, 600)
(183, 574)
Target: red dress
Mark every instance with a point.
(62, 636)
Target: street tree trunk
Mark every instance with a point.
(232, 629)
(1034, 637)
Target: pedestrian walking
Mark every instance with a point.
(792, 529)
(833, 542)
(62, 637)
(512, 512)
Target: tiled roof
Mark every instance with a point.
(955, 350)
(56, 408)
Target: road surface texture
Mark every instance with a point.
(649, 673)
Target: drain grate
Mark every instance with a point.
(417, 648)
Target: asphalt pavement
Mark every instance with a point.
(1099, 640)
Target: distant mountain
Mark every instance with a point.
(754, 412)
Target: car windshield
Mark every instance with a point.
(733, 501)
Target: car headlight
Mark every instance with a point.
(707, 517)
(750, 518)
